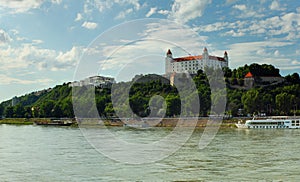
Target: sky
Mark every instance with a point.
(48, 42)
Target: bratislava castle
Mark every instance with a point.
(191, 64)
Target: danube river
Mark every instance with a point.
(37, 153)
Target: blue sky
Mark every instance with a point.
(42, 42)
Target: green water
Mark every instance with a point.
(37, 153)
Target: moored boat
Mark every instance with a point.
(273, 122)
(56, 122)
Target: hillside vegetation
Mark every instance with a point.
(279, 99)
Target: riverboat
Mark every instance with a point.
(54, 123)
(273, 122)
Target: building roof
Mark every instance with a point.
(199, 57)
(169, 52)
(249, 75)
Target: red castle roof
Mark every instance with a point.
(249, 75)
(199, 57)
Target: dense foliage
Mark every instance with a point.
(153, 94)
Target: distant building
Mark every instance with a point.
(94, 81)
(249, 80)
(191, 64)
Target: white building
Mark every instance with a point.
(191, 64)
(96, 81)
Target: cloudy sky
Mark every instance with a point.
(46, 42)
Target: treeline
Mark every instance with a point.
(56, 102)
(129, 99)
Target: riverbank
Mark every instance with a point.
(166, 122)
(30, 121)
(173, 122)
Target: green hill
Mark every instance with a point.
(281, 98)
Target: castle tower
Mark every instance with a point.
(226, 57)
(205, 54)
(249, 80)
(168, 60)
(169, 53)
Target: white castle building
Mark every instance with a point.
(191, 64)
(96, 81)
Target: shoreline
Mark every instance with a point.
(166, 122)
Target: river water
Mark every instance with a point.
(37, 153)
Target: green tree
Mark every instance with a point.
(250, 101)
(27, 112)
(9, 112)
(19, 111)
(46, 108)
(284, 102)
(173, 105)
(1, 110)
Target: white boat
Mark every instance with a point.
(273, 122)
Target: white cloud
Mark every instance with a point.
(248, 11)
(89, 25)
(234, 33)
(4, 37)
(163, 12)
(78, 17)
(230, 1)
(186, 10)
(276, 6)
(71, 56)
(21, 6)
(149, 51)
(29, 56)
(213, 27)
(287, 25)
(259, 52)
(123, 14)
(102, 5)
(37, 41)
(241, 7)
(56, 1)
(87, 8)
(295, 62)
(5, 80)
(151, 11)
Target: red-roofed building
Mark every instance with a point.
(249, 75)
(249, 80)
(191, 64)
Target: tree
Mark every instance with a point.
(9, 112)
(173, 105)
(18, 111)
(67, 108)
(284, 102)
(27, 112)
(1, 110)
(250, 100)
(57, 111)
(46, 108)
(294, 78)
